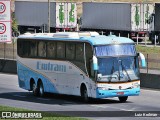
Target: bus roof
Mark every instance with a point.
(92, 37)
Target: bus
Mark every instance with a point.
(83, 64)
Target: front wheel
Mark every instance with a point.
(123, 99)
(84, 94)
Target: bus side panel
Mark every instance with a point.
(25, 74)
(61, 77)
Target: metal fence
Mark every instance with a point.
(153, 61)
(9, 51)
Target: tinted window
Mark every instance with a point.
(23, 48)
(70, 51)
(33, 49)
(79, 52)
(51, 49)
(41, 49)
(60, 50)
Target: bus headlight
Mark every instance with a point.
(102, 88)
(135, 85)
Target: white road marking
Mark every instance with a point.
(43, 99)
(150, 90)
(69, 102)
(100, 106)
(19, 96)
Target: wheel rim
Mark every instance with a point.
(85, 95)
(41, 91)
(34, 89)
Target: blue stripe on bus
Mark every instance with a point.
(27, 73)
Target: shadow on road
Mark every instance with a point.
(54, 99)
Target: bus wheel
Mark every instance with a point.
(34, 89)
(41, 89)
(123, 99)
(84, 94)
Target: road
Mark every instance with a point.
(12, 95)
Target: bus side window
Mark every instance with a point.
(60, 50)
(20, 48)
(92, 73)
(51, 49)
(42, 49)
(70, 51)
(79, 52)
(25, 48)
(89, 54)
(33, 49)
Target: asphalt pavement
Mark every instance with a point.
(12, 95)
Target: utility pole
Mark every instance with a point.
(49, 22)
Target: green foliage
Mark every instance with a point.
(45, 115)
(148, 50)
(14, 23)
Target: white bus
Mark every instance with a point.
(77, 63)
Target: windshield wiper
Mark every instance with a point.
(123, 68)
(112, 71)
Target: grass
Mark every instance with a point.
(152, 55)
(45, 115)
(148, 50)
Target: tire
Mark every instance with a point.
(84, 94)
(123, 99)
(41, 89)
(34, 89)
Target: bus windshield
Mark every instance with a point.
(115, 50)
(117, 63)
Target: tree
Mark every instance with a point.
(14, 23)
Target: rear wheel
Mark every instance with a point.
(34, 89)
(123, 99)
(41, 89)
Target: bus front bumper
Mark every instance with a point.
(117, 93)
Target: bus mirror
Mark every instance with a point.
(143, 61)
(95, 63)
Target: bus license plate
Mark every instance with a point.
(120, 93)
